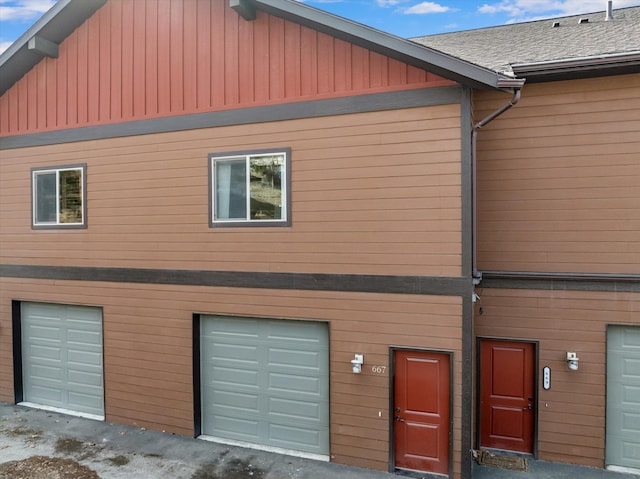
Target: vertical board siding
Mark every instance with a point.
(559, 179)
(148, 350)
(372, 193)
(136, 59)
(571, 415)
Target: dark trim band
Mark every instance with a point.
(422, 285)
(626, 283)
(242, 116)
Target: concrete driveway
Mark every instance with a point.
(121, 452)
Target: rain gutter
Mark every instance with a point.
(580, 67)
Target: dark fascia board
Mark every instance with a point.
(54, 26)
(574, 68)
(413, 53)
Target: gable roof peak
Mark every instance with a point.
(67, 15)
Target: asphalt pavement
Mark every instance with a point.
(116, 451)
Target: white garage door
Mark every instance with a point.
(62, 358)
(266, 382)
(623, 397)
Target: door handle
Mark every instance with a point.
(398, 418)
(528, 408)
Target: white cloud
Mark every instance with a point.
(388, 3)
(4, 46)
(24, 9)
(503, 7)
(426, 8)
(520, 10)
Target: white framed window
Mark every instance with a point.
(58, 197)
(250, 188)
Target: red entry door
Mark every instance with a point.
(422, 411)
(507, 386)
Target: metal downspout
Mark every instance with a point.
(477, 276)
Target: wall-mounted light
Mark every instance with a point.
(356, 363)
(572, 360)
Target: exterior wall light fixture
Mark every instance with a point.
(356, 363)
(572, 360)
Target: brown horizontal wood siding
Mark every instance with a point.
(571, 415)
(559, 178)
(148, 350)
(136, 59)
(372, 193)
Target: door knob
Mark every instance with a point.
(398, 418)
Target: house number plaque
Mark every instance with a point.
(546, 377)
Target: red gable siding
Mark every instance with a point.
(138, 59)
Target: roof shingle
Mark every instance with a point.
(498, 48)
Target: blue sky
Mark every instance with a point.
(405, 18)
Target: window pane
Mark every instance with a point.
(45, 197)
(266, 187)
(230, 189)
(71, 196)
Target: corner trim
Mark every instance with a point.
(466, 440)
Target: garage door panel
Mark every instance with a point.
(238, 328)
(46, 373)
(62, 357)
(631, 368)
(87, 359)
(83, 337)
(86, 399)
(233, 377)
(47, 395)
(291, 436)
(623, 397)
(304, 333)
(294, 383)
(45, 330)
(44, 354)
(84, 379)
(294, 410)
(239, 428)
(264, 376)
(631, 423)
(294, 359)
(234, 353)
(235, 401)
